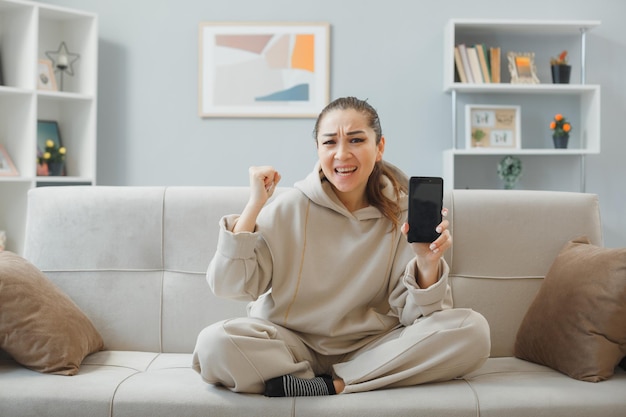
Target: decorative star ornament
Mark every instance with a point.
(62, 59)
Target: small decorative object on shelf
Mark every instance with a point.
(50, 149)
(7, 168)
(63, 61)
(510, 170)
(522, 68)
(560, 131)
(560, 69)
(54, 157)
(45, 76)
(492, 126)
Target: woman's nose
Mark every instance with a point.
(342, 152)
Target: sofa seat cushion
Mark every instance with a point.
(126, 383)
(576, 322)
(40, 326)
(445, 399)
(516, 388)
(163, 384)
(27, 393)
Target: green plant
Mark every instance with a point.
(560, 60)
(52, 153)
(560, 126)
(478, 135)
(510, 170)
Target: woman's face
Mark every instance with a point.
(347, 150)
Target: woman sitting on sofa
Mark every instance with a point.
(341, 302)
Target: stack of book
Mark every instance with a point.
(477, 64)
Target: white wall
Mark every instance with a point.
(389, 51)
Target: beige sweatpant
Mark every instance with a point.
(243, 353)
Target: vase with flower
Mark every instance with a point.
(560, 69)
(560, 131)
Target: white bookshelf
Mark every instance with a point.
(27, 31)
(578, 101)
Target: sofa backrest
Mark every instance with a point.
(504, 244)
(134, 258)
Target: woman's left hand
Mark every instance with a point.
(429, 254)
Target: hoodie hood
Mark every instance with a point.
(320, 192)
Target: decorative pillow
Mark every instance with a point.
(576, 322)
(40, 326)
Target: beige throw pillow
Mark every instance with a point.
(577, 322)
(40, 326)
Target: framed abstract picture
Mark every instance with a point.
(263, 69)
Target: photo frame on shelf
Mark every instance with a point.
(7, 168)
(492, 126)
(46, 79)
(522, 68)
(47, 129)
(263, 69)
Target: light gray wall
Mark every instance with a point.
(389, 51)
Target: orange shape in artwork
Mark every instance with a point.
(303, 56)
(250, 43)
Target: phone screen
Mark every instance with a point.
(425, 204)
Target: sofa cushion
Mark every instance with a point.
(40, 326)
(576, 322)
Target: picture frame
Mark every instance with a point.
(258, 69)
(522, 68)
(46, 79)
(47, 129)
(492, 126)
(7, 168)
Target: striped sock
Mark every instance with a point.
(291, 386)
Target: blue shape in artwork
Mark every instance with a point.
(298, 92)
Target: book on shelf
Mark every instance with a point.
(484, 62)
(459, 65)
(475, 65)
(466, 65)
(494, 61)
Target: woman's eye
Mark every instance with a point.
(357, 140)
(328, 142)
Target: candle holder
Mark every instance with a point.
(62, 61)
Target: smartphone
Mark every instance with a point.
(425, 205)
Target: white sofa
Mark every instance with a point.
(134, 260)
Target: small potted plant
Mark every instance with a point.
(560, 131)
(54, 158)
(510, 170)
(560, 69)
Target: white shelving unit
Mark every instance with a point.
(544, 166)
(27, 31)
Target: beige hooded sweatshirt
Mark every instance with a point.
(337, 279)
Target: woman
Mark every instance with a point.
(341, 302)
